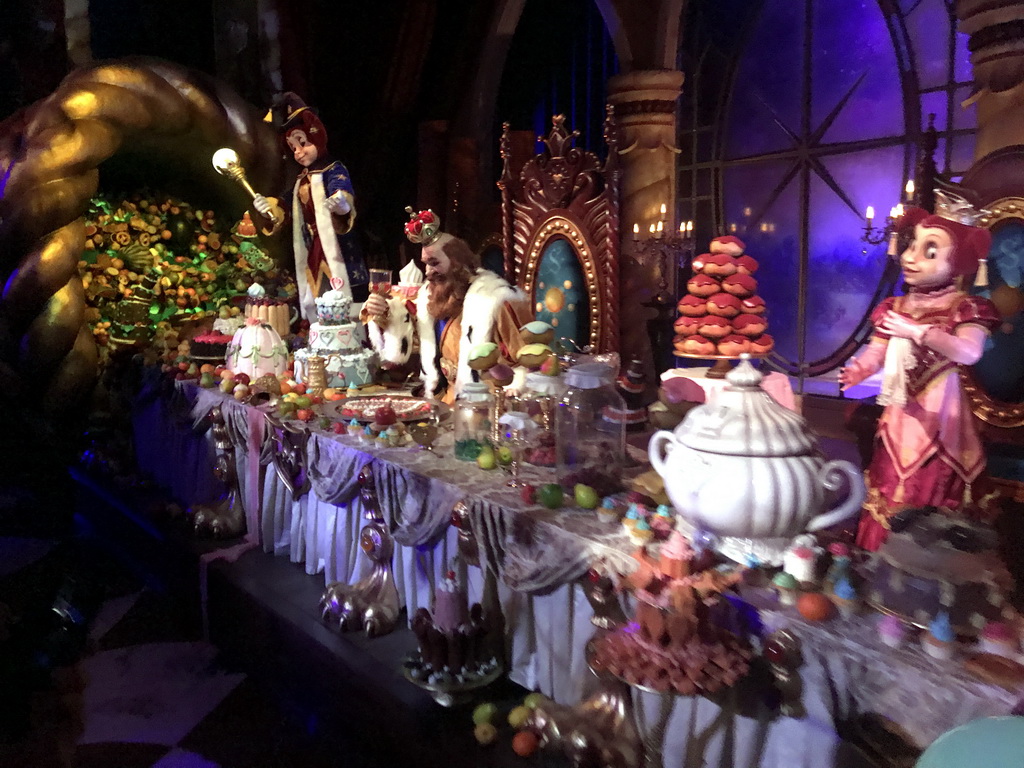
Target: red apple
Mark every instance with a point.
(304, 414)
(385, 416)
(339, 428)
(315, 399)
(241, 378)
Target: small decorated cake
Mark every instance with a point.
(891, 631)
(209, 347)
(933, 564)
(267, 309)
(845, 597)
(257, 349)
(410, 280)
(348, 360)
(453, 641)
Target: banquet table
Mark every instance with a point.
(531, 562)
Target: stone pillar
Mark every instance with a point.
(645, 112)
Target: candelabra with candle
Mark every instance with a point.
(874, 235)
(667, 254)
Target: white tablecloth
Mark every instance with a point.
(534, 558)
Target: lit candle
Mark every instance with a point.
(689, 226)
(661, 226)
(892, 212)
(870, 214)
(910, 190)
(652, 229)
(663, 209)
(682, 227)
(636, 231)
(899, 210)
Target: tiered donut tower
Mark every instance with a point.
(721, 316)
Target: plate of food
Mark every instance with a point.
(364, 408)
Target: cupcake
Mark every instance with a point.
(891, 631)
(368, 435)
(939, 641)
(702, 285)
(729, 244)
(692, 306)
(537, 332)
(999, 638)
(355, 429)
(532, 355)
(641, 533)
(740, 286)
(786, 587)
(719, 265)
(608, 512)
(482, 356)
(845, 598)
(663, 521)
(724, 305)
(746, 265)
(393, 436)
(631, 519)
(801, 563)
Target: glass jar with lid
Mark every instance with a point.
(540, 395)
(590, 442)
(472, 420)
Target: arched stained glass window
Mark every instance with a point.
(795, 116)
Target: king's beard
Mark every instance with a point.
(447, 293)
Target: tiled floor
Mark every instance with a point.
(157, 695)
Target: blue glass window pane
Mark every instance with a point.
(852, 41)
(875, 178)
(965, 117)
(962, 60)
(841, 277)
(963, 153)
(935, 103)
(747, 190)
(777, 251)
(928, 26)
(766, 77)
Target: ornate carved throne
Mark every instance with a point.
(560, 235)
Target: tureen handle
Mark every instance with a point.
(830, 476)
(657, 452)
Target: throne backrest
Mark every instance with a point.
(560, 235)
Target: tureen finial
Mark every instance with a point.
(744, 375)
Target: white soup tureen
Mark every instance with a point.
(748, 471)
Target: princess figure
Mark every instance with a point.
(927, 448)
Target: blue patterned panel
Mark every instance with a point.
(560, 293)
(1001, 369)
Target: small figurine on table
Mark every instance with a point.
(632, 383)
(927, 449)
(322, 209)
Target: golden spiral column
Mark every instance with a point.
(49, 159)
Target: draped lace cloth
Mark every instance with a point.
(531, 560)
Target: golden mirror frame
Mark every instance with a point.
(987, 408)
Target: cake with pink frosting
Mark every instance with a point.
(454, 640)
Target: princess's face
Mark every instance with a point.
(303, 149)
(928, 262)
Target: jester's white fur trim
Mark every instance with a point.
(325, 227)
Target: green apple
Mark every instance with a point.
(484, 713)
(550, 495)
(486, 459)
(586, 496)
(227, 386)
(207, 380)
(517, 717)
(504, 455)
(534, 700)
(303, 401)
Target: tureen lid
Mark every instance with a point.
(743, 420)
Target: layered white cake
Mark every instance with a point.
(340, 342)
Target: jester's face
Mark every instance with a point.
(304, 151)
